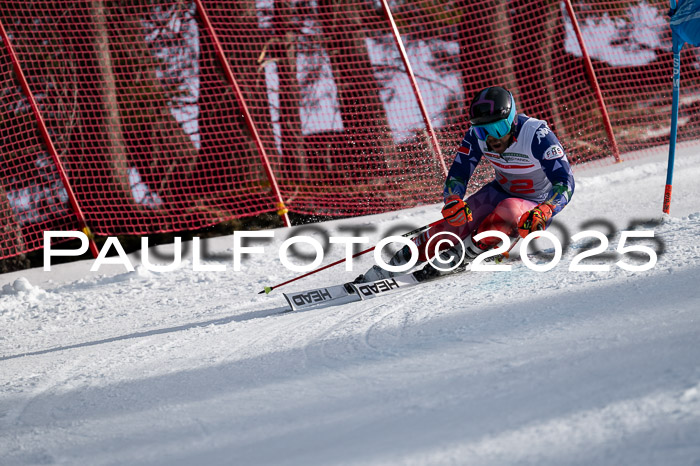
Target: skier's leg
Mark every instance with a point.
(482, 203)
(403, 255)
(504, 218)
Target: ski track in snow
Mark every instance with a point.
(516, 367)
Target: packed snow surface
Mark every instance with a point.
(521, 367)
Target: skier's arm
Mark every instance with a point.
(466, 160)
(547, 149)
(556, 167)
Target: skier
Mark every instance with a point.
(533, 183)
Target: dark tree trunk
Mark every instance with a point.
(479, 66)
(532, 57)
(11, 240)
(230, 162)
(284, 51)
(100, 165)
(368, 135)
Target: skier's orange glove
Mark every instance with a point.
(534, 220)
(456, 211)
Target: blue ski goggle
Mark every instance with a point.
(497, 129)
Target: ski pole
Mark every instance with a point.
(268, 289)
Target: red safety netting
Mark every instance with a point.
(151, 132)
(634, 69)
(32, 197)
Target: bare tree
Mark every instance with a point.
(363, 115)
(152, 41)
(283, 46)
(11, 240)
(98, 164)
(229, 159)
(480, 68)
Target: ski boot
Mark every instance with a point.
(377, 273)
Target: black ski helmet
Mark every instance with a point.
(490, 105)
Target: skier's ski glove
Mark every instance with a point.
(456, 211)
(534, 220)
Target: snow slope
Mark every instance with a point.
(516, 367)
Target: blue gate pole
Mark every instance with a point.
(677, 46)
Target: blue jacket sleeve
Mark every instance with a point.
(556, 167)
(466, 159)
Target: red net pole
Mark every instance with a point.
(281, 208)
(414, 84)
(594, 81)
(47, 140)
